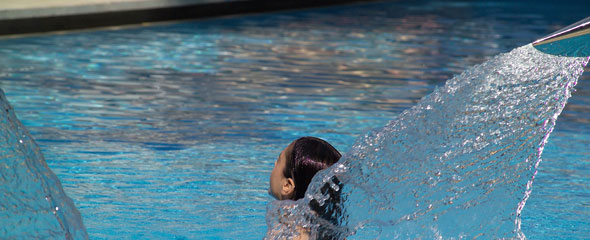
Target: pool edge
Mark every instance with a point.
(44, 24)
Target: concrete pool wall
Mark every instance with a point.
(34, 16)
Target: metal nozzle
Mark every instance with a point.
(570, 41)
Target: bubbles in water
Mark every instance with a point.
(458, 164)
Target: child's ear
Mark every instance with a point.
(288, 188)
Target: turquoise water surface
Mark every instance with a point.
(171, 131)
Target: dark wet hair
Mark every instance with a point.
(308, 156)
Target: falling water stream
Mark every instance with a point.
(34, 205)
(459, 164)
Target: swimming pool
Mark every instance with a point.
(171, 131)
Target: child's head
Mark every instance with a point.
(297, 164)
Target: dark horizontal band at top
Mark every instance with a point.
(114, 18)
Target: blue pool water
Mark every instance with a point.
(171, 131)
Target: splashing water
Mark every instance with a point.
(459, 164)
(33, 204)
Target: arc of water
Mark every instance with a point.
(455, 165)
(33, 204)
